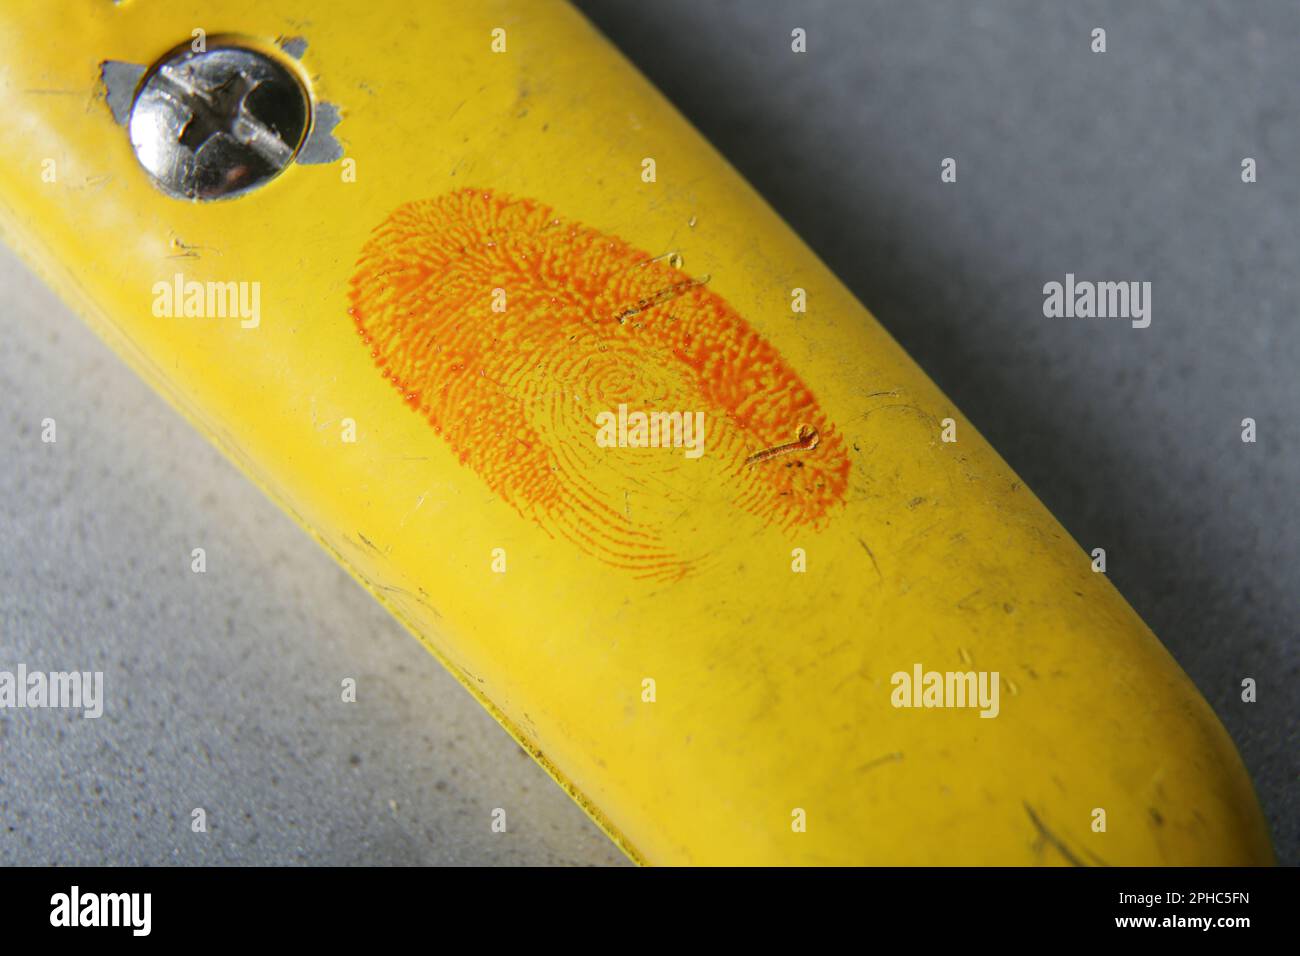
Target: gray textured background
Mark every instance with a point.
(223, 688)
(1123, 165)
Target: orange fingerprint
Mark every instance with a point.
(510, 329)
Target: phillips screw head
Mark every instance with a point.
(217, 124)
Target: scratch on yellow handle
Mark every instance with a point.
(712, 654)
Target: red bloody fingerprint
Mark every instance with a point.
(509, 329)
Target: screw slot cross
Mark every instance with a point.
(219, 123)
(223, 110)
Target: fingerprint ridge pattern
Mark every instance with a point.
(583, 322)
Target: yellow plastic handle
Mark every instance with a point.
(545, 374)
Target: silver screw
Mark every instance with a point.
(217, 124)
